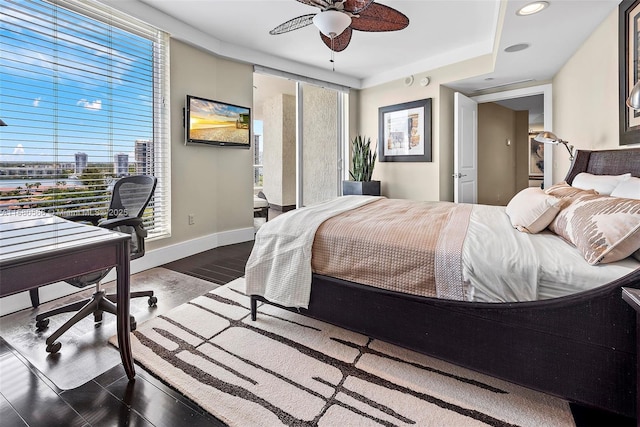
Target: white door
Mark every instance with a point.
(465, 149)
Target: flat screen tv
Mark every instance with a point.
(216, 123)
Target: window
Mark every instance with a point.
(84, 94)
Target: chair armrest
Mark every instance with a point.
(93, 219)
(117, 222)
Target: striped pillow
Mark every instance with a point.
(604, 229)
(563, 190)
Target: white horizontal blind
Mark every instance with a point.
(84, 94)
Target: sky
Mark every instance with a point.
(59, 93)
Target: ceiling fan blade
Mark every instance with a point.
(356, 6)
(340, 42)
(378, 17)
(322, 4)
(293, 24)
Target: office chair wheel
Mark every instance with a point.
(152, 301)
(54, 347)
(133, 325)
(42, 324)
(97, 316)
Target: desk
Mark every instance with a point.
(37, 249)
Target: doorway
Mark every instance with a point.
(538, 101)
(298, 157)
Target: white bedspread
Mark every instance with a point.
(498, 261)
(501, 264)
(279, 267)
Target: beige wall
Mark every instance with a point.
(496, 159)
(585, 112)
(419, 180)
(212, 183)
(446, 144)
(585, 96)
(522, 150)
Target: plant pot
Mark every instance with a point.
(370, 188)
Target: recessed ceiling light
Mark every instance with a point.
(532, 8)
(516, 47)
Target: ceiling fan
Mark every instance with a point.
(338, 18)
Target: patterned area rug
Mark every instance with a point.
(287, 369)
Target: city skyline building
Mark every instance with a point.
(82, 159)
(121, 165)
(144, 156)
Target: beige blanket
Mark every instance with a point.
(399, 245)
(279, 267)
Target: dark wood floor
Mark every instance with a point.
(28, 398)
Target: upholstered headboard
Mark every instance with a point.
(605, 162)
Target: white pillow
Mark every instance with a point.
(629, 189)
(603, 184)
(531, 210)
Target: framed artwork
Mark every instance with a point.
(629, 57)
(536, 157)
(404, 132)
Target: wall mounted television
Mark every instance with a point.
(212, 122)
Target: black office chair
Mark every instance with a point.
(129, 199)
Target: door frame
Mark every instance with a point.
(547, 91)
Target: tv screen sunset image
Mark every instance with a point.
(211, 121)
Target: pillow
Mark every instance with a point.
(531, 210)
(603, 184)
(563, 190)
(629, 188)
(604, 229)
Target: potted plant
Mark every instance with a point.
(363, 159)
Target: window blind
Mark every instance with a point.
(84, 94)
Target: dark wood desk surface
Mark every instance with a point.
(38, 248)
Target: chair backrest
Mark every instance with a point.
(131, 195)
(129, 199)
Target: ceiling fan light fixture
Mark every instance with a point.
(332, 23)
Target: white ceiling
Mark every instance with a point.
(440, 32)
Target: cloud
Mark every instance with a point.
(19, 150)
(95, 105)
(36, 102)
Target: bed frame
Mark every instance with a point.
(580, 347)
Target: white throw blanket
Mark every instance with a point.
(279, 267)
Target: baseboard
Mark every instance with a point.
(151, 259)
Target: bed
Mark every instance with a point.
(581, 347)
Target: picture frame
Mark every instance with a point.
(536, 158)
(629, 68)
(404, 132)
